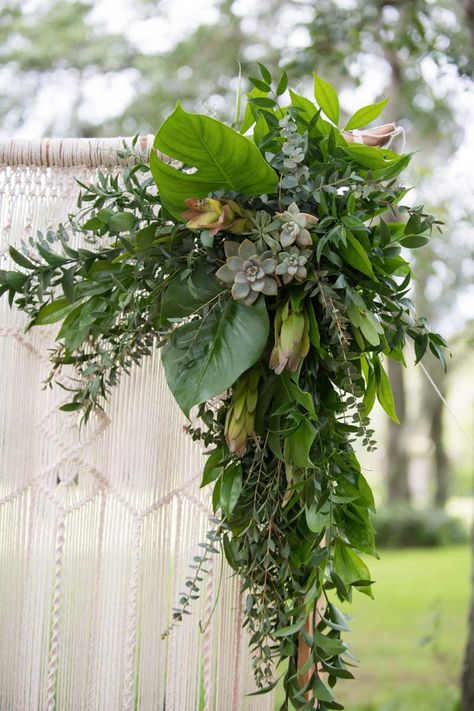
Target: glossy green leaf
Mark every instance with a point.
(203, 358)
(298, 444)
(67, 283)
(53, 312)
(356, 256)
(52, 258)
(308, 109)
(384, 391)
(183, 297)
(223, 159)
(20, 258)
(231, 487)
(317, 520)
(320, 691)
(348, 565)
(290, 630)
(365, 115)
(369, 330)
(329, 645)
(250, 111)
(260, 84)
(296, 394)
(282, 84)
(414, 241)
(122, 222)
(265, 72)
(370, 393)
(366, 156)
(213, 467)
(327, 98)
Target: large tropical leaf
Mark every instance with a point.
(204, 358)
(223, 159)
(184, 297)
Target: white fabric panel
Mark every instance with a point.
(98, 526)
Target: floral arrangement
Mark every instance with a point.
(268, 264)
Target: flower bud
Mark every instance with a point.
(214, 215)
(240, 418)
(291, 338)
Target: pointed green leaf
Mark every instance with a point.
(290, 629)
(184, 297)
(364, 116)
(282, 84)
(370, 393)
(53, 312)
(327, 99)
(298, 444)
(321, 691)
(348, 565)
(356, 256)
(213, 467)
(224, 160)
(414, 241)
(20, 258)
(384, 391)
(202, 358)
(231, 487)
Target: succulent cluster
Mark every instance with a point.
(292, 265)
(295, 227)
(248, 273)
(251, 268)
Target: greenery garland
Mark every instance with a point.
(269, 269)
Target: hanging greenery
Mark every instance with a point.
(269, 267)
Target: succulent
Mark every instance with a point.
(240, 418)
(291, 338)
(292, 265)
(214, 215)
(249, 273)
(265, 230)
(295, 224)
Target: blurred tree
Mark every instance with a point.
(62, 45)
(54, 48)
(412, 46)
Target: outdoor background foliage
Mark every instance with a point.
(117, 67)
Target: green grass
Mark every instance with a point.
(419, 594)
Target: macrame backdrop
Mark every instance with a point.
(98, 526)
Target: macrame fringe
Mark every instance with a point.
(98, 527)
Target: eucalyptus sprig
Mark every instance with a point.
(274, 277)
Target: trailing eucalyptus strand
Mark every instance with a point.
(276, 291)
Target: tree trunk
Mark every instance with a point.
(467, 682)
(433, 409)
(440, 457)
(398, 488)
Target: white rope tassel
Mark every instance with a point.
(53, 662)
(131, 629)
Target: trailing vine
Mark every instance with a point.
(276, 287)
